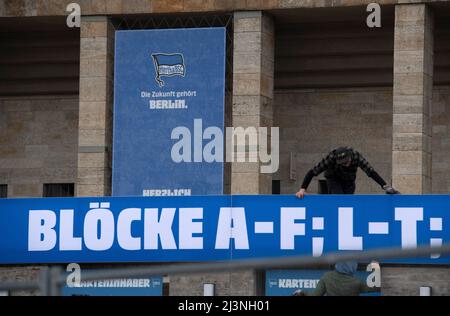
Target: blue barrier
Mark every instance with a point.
(203, 228)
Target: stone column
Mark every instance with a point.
(253, 72)
(95, 113)
(413, 83)
(253, 59)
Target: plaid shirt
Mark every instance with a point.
(342, 173)
(332, 169)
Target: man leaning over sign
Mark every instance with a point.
(340, 167)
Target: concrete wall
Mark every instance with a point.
(313, 122)
(20, 274)
(38, 56)
(441, 140)
(92, 7)
(96, 103)
(39, 135)
(252, 106)
(38, 143)
(314, 52)
(237, 283)
(413, 89)
(406, 281)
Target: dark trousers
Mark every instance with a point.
(340, 187)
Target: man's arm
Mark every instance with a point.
(307, 180)
(369, 170)
(318, 169)
(371, 173)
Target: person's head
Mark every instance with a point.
(346, 267)
(343, 156)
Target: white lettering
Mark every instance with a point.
(161, 228)
(66, 239)
(345, 231)
(409, 216)
(187, 227)
(95, 219)
(41, 230)
(289, 229)
(232, 225)
(124, 237)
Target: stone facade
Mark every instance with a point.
(406, 281)
(313, 122)
(20, 274)
(252, 106)
(99, 7)
(252, 94)
(38, 144)
(68, 138)
(226, 284)
(38, 141)
(96, 99)
(413, 84)
(441, 140)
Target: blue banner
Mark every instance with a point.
(150, 286)
(169, 91)
(203, 228)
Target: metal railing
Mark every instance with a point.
(52, 279)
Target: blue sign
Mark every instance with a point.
(151, 286)
(203, 228)
(286, 282)
(169, 91)
(168, 65)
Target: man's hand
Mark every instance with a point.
(298, 293)
(390, 190)
(301, 194)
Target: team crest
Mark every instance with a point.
(168, 65)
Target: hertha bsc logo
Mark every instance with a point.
(168, 65)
